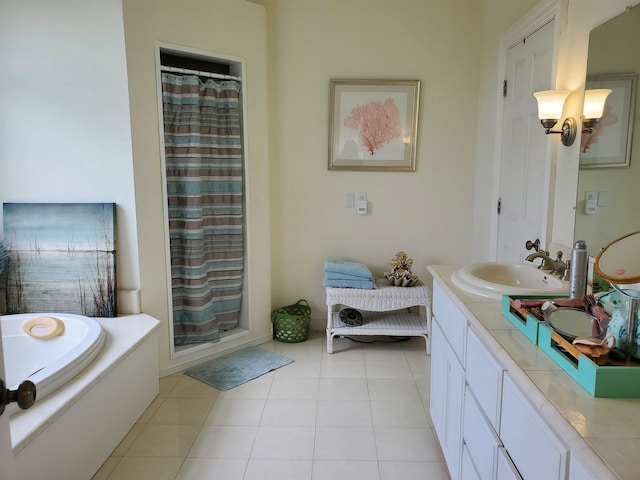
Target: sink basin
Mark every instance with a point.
(495, 279)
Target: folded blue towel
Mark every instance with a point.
(343, 276)
(354, 269)
(361, 284)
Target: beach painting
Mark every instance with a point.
(60, 258)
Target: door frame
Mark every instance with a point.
(536, 18)
(237, 66)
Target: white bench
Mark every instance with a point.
(386, 311)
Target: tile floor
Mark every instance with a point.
(359, 413)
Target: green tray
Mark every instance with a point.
(521, 317)
(612, 380)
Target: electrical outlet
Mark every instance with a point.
(362, 197)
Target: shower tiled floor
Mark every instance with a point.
(360, 413)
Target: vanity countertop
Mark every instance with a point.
(604, 433)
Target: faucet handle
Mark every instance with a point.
(535, 245)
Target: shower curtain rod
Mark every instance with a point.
(221, 76)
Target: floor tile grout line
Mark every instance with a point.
(264, 406)
(323, 360)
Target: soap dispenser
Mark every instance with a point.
(579, 269)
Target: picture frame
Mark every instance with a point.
(61, 258)
(609, 144)
(373, 125)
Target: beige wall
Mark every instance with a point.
(64, 112)
(229, 29)
(428, 213)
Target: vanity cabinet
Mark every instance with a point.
(485, 425)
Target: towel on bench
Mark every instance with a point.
(344, 274)
(362, 284)
(353, 269)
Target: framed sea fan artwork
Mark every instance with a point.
(373, 125)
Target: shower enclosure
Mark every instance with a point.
(204, 177)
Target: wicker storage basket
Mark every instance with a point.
(291, 323)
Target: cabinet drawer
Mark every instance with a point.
(484, 376)
(452, 321)
(577, 471)
(479, 438)
(535, 450)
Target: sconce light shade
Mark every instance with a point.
(594, 101)
(550, 106)
(551, 103)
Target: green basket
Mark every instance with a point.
(291, 323)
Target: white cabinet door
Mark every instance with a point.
(452, 321)
(437, 390)
(467, 469)
(535, 450)
(447, 385)
(506, 470)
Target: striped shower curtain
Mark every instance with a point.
(205, 194)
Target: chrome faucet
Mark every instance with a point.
(557, 265)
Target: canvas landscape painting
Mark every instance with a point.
(60, 258)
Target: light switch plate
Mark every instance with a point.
(603, 199)
(349, 200)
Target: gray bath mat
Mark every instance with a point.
(237, 368)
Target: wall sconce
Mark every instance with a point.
(594, 101)
(550, 105)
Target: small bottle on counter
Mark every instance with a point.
(579, 269)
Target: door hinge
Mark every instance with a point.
(504, 89)
(499, 209)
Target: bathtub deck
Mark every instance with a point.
(106, 386)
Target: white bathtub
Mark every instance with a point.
(48, 362)
(94, 410)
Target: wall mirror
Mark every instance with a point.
(609, 176)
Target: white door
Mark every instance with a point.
(6, 454)
(524, 168)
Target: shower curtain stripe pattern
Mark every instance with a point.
(205, 196)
